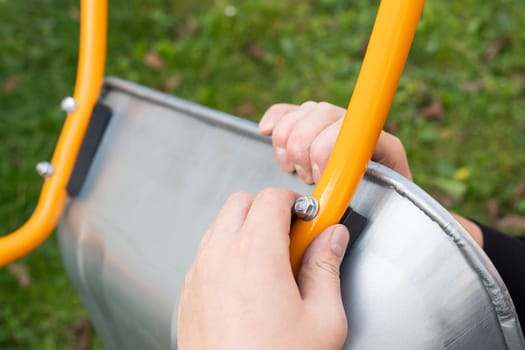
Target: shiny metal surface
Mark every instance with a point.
(306, 207)
(412, 280)
(68, 104)
(45, 169)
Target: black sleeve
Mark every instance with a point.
(508, 256)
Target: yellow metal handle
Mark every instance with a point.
(381, 70)
(91, 61)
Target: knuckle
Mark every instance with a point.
(327, 265)
(269, 192)
(296, 148)
(279, 136)
(325, 107)
(323, 263)
(274, 195)
(398, 148)
(308, 103)
(330, 110)
(394, 144)
(239, 196)
(397, 144)
(320, 151)
(274, 108)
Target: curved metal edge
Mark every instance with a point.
(206, 114)
(473, 254)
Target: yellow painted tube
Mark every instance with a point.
(91, 62)
(385, 58)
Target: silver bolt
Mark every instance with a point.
(68, 104)
(306, 207)
(45, 169)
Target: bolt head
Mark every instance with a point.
(306, 207)
(45, 169)
(68, 104)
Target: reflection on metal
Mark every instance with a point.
(414, 279)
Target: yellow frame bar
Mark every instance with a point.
(384, 61)
(381, 70)
(91, 62)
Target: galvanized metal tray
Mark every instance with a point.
(414, 279)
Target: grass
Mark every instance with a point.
(459, 107)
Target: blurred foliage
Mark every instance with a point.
(459, 108)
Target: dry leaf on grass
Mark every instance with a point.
(172, 82)
(433, 111)
(82, 334)
(246, 110)
(154, 61)
(74, 13)
(187, 29)
(21, 273)
(496, 47)
(11, 83)
(473, 86)
(255, 52)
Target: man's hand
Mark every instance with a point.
(240, 292)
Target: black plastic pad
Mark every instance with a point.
(94, 133)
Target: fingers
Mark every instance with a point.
(267, 224)
(304, 136)
(281, 132)
(319, 273)
(306, 133)
(263, 221)
(322, 147)
(273, 115)
(228, 222)
(295, 129)
(318, 277)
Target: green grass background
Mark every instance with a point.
(467, 58)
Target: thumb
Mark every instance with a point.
(318, 277)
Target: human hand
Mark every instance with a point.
(240, 292)
(303, 138)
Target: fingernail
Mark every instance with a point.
(283, 159)
(316, 172)
(339, 241)
(303, 174)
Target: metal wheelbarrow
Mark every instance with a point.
(138, 175)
